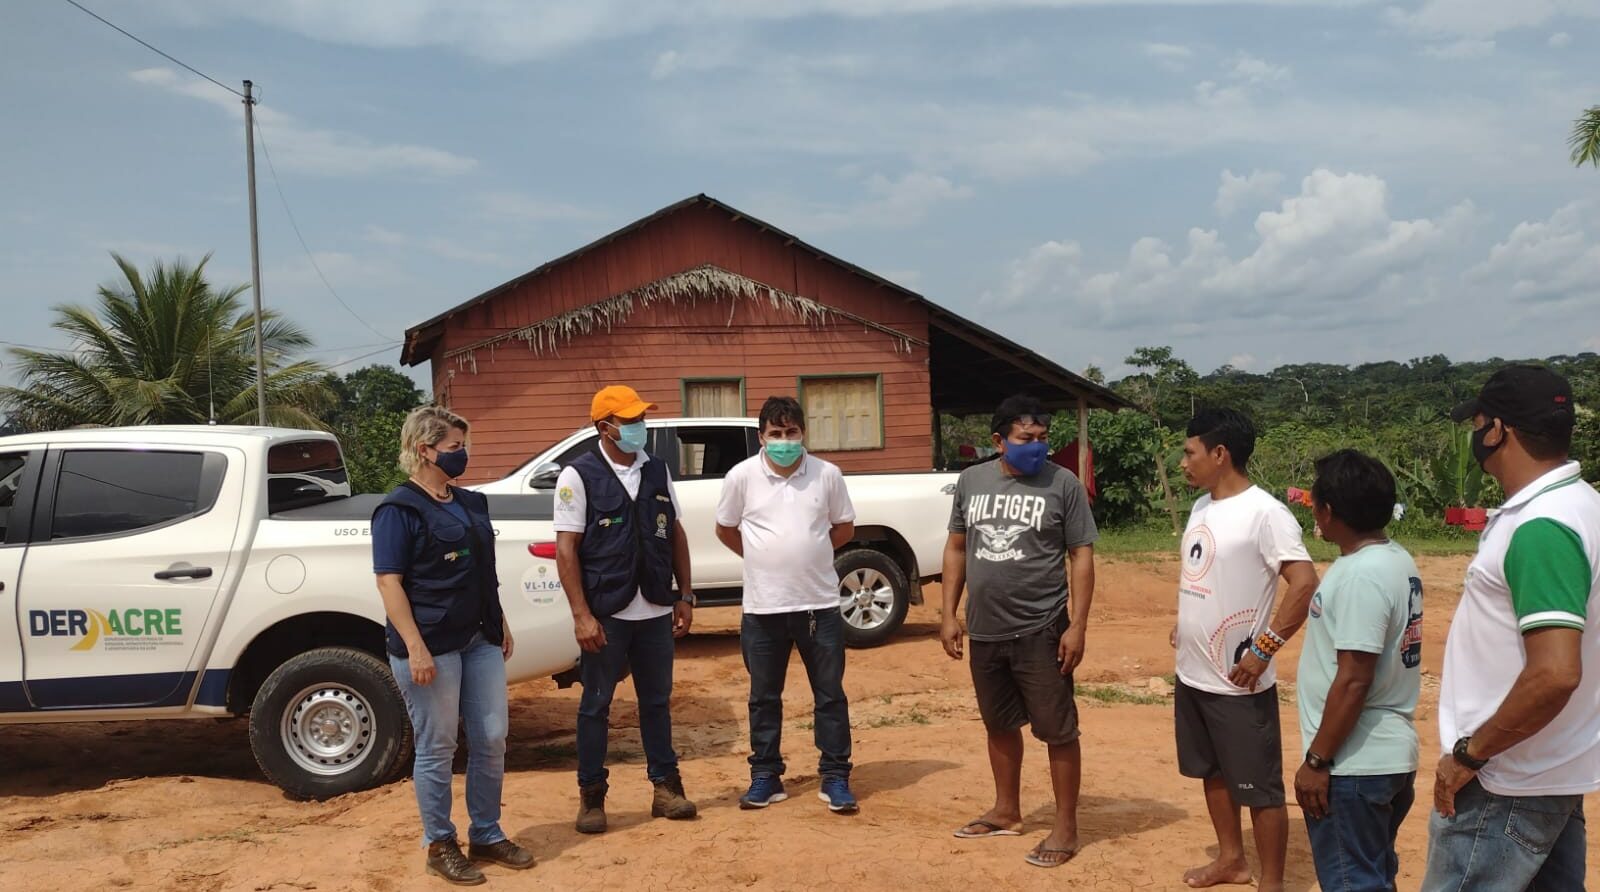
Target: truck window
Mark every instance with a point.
(111, 492)
(11, 466)
(709, 452)
(305, 472)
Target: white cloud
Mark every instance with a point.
(301, 148)
(1332, 253)
(1460, 50)
(1251, 70)
(889, 204)
(1237, 193)
(1554, 261)
(1560, 40)
(1486, 18)
(508, 32)
(666, 64)
(1170, 56)
(1242, 361)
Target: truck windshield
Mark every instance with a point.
(305, 472)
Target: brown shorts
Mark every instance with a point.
(1236, 737)
(1019, 682)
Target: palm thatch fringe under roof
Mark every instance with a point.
(707, 282)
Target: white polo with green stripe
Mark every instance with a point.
(1537, 567)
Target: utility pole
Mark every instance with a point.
(255, 253)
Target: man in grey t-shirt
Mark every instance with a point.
(1016, 526)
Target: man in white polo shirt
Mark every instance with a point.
(785, 512)
(1519, 715)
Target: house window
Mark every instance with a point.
(713, 397)
(843, 412)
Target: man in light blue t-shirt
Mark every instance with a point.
(1359, 679)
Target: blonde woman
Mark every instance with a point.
(433, 552)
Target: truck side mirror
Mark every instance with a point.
(544, 476)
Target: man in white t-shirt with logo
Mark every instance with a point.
(1239, 541)
(785, 513)
(1519, 703)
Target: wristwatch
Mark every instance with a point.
(1317, 763)
(689, 598)
(1461, 755)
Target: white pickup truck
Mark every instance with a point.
(181, 572)
(901, 519)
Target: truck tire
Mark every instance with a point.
(873, 596)
(330, 721)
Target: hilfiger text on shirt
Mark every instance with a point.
(1000, 519)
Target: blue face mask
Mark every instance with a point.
(631, 437)
(785, 452)
(1026, 458)
(453, 464)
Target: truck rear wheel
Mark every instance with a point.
(330, 721)
(873, 596)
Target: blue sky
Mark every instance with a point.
(1252, 183)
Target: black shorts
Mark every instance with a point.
(1235, 736)
(1019, 682)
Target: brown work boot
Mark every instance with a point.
(446, 862)
(670, 803)
(504, 853)
(592, 808)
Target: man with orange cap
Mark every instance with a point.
(619, 547)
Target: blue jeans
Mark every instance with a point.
(648, 647)
(469, 690)
(1507, 844)
(766, 641)
(1353, 846)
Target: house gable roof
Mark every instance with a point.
(420, 339)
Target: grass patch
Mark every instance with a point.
(554, 752)
(1154, 541)
(914, 717)
(1106, 693)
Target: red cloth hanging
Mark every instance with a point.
(1067, 457)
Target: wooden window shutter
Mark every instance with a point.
(711, 399)
(843, 413)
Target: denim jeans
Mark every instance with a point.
(1353, 847)
(469, 690)
(766, 641)
(647, 646)
(1507, 844)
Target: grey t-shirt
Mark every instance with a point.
(1018, 532)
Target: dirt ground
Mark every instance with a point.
(180, 806)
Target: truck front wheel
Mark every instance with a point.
(873, 596)
(330, 721)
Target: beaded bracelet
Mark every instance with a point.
(1262, 656)
(1266, 645)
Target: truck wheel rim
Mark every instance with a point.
(327, 729)
(866, 598)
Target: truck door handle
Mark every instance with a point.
(185, 573)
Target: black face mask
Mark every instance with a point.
(1480, 451)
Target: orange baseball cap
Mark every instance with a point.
(619, 400)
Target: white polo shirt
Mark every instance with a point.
(785, 522)
(572, 516)
(1538, 566)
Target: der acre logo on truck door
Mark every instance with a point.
(133, 628)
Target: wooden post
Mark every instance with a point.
(1083, 438)
(1166, 488)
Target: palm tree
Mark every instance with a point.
(1585, 139)
(165, 348)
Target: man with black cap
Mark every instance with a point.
(1519, 717)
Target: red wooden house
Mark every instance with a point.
(707, 312)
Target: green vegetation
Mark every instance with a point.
(1397, 411)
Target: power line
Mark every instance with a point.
(322, 350)
(359, 358)
(155, 50)
(278, 185)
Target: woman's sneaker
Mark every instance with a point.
(765, 789)
(836, 792)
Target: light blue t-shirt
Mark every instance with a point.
(1370, 601)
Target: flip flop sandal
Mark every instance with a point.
(993, 830)
(1035, 857)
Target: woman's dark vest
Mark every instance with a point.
(451, 580)
(627, 543)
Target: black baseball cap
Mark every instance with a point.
(1525, 397)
